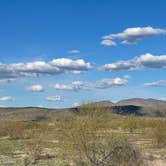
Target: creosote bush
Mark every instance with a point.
(91, 143)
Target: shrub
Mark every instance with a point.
(131, 123)
(159, 134)
(20, 130)
(97, 148)
(13, 129)
(91, 143)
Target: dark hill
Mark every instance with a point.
(143, 102)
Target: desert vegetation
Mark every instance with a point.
(91, 136)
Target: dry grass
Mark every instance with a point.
(159, 134)
(13, 129)
(91, 137)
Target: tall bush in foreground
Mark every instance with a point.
(93, 144)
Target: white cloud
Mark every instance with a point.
(133, 35)
(151, 61)
(75, 86)
(53, 98)
(6, 98)
(74, 52)
(101, 84)
(58, 86)
(156, 83)
(41, 68)
(137, 63)
(108, 42)
(107, 83)
(36, 88)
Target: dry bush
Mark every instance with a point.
(3, 131)
(17, 130)
(91, 143)
(96, 147)
(13, 129)
(149, 122)
(132, 122)
(158, 134)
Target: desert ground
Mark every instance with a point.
(90, 135)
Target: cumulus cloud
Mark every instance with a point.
(6, 98)
(107, 83)
(108, 42)
(101, 84)
(36, 88)
(148, 61)
(156, 83)
(74, 86)
(74, 52)
(133, 35)
(42, 68)
(53, 98)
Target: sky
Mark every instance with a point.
(61, 53)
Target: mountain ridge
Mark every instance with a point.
(143, 102)
(149, 102)
(138, 106)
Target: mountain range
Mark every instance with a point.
(134, 102)
(137, 106)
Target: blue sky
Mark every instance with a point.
(42, 42)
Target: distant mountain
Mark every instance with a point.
(137, 106)
(140, 102)
(143, 102)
